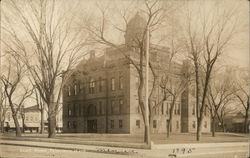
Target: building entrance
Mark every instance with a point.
(92, 126)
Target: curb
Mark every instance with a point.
(92, 143)
(98, 150)
(199, 145)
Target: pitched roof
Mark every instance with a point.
(32, 108)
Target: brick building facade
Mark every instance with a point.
(101, 95)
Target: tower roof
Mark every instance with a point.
(135, 29)
(136, 22)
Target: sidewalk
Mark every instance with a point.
(158, 151)
(127, 140)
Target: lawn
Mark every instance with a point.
(180, 138)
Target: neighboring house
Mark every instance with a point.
(101, 95)
(236, 123)
(232, 123)
(32, 118)
(9, 122)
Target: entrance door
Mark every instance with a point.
(92, 126)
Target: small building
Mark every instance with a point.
(32, 118)
(9, 124)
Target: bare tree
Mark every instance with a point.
(174, 84)
(223, 112)
(41, 107)
(154, 13)
(168, 75)
(15, 90)
(207, 36)
(242, 95)
(54, 45)
(3, 108)
(220, 95)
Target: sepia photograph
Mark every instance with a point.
(124, 79)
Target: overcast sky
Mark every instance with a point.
(237, 52)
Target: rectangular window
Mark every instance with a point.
(100, 84)
(83, 110)
(120, 82)
(177, 124)
(69, 111)
(112, 84)
(79, 110)
(194, 124)
(137, 82)
(69, 124)
(74, 124)
(205, 124)
(81, 88)
(112, 124)
(75, 89)
(139, 109)
(120, 106)
(153, 106)
(120, 123)
(92, 87)
(193, 110)
(112, 107)
(167, 108)
(138, 123)
(179, 109)
(100, 107)
(74, 110)
(162, 108)
(205, 111)
(69, 91)
(154, 123)
(175, 110)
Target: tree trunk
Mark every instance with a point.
(2, 126)
(246, 128)
(199, 129)
(18, 130)
(51, 119)
(169, 121)
(168, 127)
(223, 128)
(42, 121)
(52, 126)
(147, 138)
(23, 129)
(213, 126)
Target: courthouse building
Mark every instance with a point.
(101, 95)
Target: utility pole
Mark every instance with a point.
(146, 94)
(1, 106)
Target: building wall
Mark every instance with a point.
(111, 100)
(9, 119)
(114, 67)
(33, 118)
